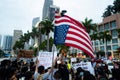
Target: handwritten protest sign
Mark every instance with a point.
(73, 59)
(84, 65)
(45, 58)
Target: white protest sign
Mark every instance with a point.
(73, 59)
(45, 58)
(84, 65)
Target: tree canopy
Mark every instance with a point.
(112, 9)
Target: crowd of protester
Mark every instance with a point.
(60, 70)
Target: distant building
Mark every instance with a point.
(52, 10)
(17, 34)
(7, 43)
(35, 20)
(46, 7)
(110, 23)
(0, 40)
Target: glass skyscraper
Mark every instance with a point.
(46, 7)
(7, 43)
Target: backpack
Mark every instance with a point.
(40, 77)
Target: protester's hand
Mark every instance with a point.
(50, 70)
(37, 62)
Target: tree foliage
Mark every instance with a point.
(112, 9)
(1, 53)
(90, 26)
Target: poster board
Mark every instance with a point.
(84, 65)
(45, 58)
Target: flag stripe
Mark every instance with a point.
(76, 35)
(78, 39)
(76, 22)
(81, 33)
(82, 48)
(73, 26)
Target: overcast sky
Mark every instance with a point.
(18, 14)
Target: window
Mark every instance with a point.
(101, 28)
(96, 42)
(113, 24)
(114, 41)
(106, 26)
(115, 47)
(114, 33)
(109, 42)
(108, 47)
(101, 42)
(102, 48)
(96, 48)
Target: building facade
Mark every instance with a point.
(0, 41)
(46, 7)
(7, 43)
(111, 24)
(35, 20)
(52, 10)
(17, 34)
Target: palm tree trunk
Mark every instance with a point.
(106, 48)
(38, 46)
(48, 43)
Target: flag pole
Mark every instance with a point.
(53, 50)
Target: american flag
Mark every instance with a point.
(72, 33)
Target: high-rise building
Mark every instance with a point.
(111, 24)
(7, 43)
(46, 7)
(52, 10)
(45, 14)
(17, 34)
(0, 40)
(35, 20)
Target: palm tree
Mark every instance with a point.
(89, 25)
(44, 43)
(22, 39)
(18, 45)
(35, 35)
(1, 53)
(116, 6)
(27, 38)
(105, 36)
(94, 37)
(46, 28)
(108, 11)
(118, 30)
